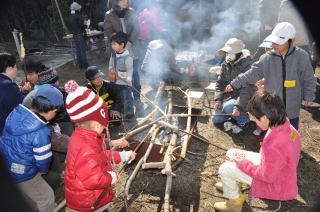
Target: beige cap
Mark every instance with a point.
(233, 45)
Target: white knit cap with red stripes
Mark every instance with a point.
(82, 104)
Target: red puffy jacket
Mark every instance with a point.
(86, 172)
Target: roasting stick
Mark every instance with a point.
(198, 115)
(165, 124)
(106, 189)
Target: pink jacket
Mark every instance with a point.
(276, 176)
(149, 19)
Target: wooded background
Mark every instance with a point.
(39, 19)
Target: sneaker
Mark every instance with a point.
(227, 126)
(257, 132)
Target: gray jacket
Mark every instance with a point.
(230, 72)
(294, 70)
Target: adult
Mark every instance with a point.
(121, 18)
(77, 28)
(237, 60)
(286, 70)
(10, 94)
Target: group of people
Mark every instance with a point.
(41, 122)
(287, 76)
(126, 36)
(37, 120)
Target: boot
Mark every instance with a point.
(219, 186)
(231, 205)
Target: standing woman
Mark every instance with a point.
(121, 18)
(77, 28)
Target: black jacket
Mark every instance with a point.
(76, 24)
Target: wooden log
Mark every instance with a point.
(131, 178)
(149, 116)
(134, 132)
(165, 124)
(188, 127)
(166, 206)
(153, 139)
(60, 206)
(199, 115)
(153, 165)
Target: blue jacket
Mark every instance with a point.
(10, 97)
(25, 144)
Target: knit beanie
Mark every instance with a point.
(83, 104)
(48, 76)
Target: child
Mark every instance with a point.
(237, 60)
(26, 145)
(106, 90)
(121, 64)
(90, 165)
(287, 70)
(272, 173)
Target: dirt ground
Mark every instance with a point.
(193, 187)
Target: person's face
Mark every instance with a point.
(281, 49)
(123, 4)
(32, 77)
(97, 82)
(117, 47)
(263, 122)
(12, 72)
(50, 114)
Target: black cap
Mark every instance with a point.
(93, 73)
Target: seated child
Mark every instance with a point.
(26, 146)
(237, 60)
(89, 165)
(272, 173)
(121, 65)
(106, 90)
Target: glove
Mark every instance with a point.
(114, 176)
(125, 155)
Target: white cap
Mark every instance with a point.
(266, 44)
(233, 45)
(75, 6)
(282, 33)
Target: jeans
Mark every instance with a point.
(125, 93)
(227, 108)
(295, 123)
(80, 44)
(136, 83)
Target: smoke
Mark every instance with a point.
(203, 26)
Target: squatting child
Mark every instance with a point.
(272, 173)
(89, 165)
(26, 146)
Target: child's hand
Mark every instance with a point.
(132, 157)
(229, 88)
(114, 176)
(129, 83)
(121, 142)
(127, 156)
(235, 112)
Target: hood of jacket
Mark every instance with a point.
(22, 121)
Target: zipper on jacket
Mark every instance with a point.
(284, 90)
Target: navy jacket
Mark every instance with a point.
(10, 97)
(25, 144)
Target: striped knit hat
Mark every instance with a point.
(82, 104)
